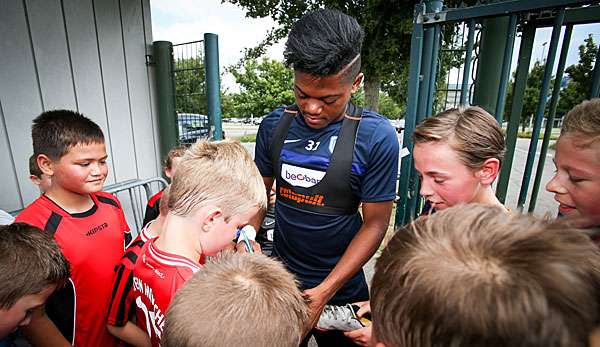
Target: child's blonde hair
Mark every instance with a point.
(472, 132)
(220, 173)
(584, 120)
(472, 275)
(237, 300)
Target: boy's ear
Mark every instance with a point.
(45, 164)
(211, 216)
(489, 171)
(169, 173)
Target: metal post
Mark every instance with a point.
(406, 168)
(434, 70)
(550, 120)
(492, 47)
(213, 85)
(505, 74)
(464, 92)
(541, 106)
(165, 92)
(595, 89)
(517, 108)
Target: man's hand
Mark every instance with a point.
(362, 336)
(241, 247)
(316, 300)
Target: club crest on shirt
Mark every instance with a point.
(300, 176)
(332, 142)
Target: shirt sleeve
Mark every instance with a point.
(379, 182)
(120, 302)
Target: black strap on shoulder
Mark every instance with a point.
(280, 133)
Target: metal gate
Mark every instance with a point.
(427, 72)
(188, 91)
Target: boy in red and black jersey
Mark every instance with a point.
(171, 162)
(121, 309)
(88, 225)
(203, 218)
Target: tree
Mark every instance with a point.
(387, 26)
(580, 77)
(264, 87)
(531, 94)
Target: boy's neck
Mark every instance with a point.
(154, 228)
(178, 236)
(70, 201)
(486, 196)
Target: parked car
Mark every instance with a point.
(192, 126)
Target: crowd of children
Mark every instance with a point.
(468, 273)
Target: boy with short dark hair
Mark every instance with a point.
(472, 275)
(269, 307)
(171, 161)
(216, 191)
(88, 225)
(31, 268)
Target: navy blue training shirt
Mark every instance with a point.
(309, 243)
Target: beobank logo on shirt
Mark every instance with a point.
(300, 176)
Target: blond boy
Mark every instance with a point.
(576, 182)
(473, 275)
(217, 189)
(267, 308)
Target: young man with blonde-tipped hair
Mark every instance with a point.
(269, 307)
(217, 189)
(473, 275)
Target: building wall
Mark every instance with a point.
(84, 55)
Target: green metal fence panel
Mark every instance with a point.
(404, 212)
(562, 61)
(541, 107)
(429, 19)
(524, 61)
(506, 61)
(165, 92)
(213, 84)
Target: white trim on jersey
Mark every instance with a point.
(172, 261)
(74, 309)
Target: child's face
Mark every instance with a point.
(82, 170)
(223, 232)
(445, 180)
(576, 182)
(43, 182)
(19, 314)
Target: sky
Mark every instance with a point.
(181, 21)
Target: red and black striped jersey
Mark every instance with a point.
(121, 308)
(153, 207)
(93, 242)
(156, 278)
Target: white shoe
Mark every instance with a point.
(339, 318)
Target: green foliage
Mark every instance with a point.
(264, 87)
(531, 95)
(246, 138)
(580, 74)
(190, 86)
(387, 105)
(576, 91)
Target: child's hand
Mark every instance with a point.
(365, 307)
(241, 247)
